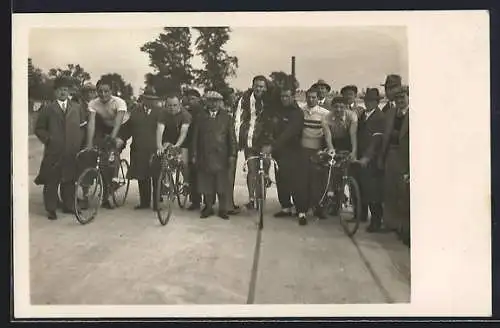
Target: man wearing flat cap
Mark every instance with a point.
(370, 176)
(58, 128)
(392, 83)
(350, 92)
(214, 149)
(395, 160)
(323, 91)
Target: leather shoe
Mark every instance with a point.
(141, 207)
(223, 215)
(206, 213)
(51, 215)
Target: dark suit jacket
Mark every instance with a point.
(61, 134)
(143, 133)
(390, 116)
(214, 141)
(370, 134)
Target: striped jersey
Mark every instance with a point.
(312, 133)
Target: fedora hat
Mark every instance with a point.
(321, 82)
(150, 93)
(62, 81)
(372, 94)
(392, 80)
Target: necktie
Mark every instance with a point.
(63, 106)
(258, 107)
(212, 114)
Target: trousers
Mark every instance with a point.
(310, 179)
(51, 197)
(145, 190)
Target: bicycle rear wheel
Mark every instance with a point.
(349, 199)
(121, 184)
(182, 191)
(165, 193)
(88, 195)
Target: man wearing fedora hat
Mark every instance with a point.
(370, 176)
(142, 130)
(391, 84)
(395, 160)
(214, 149)
(58, 128)
(323, 91)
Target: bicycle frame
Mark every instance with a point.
(341, 164)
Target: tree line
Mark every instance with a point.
(170, 56)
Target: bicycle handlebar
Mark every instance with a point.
(262, 156)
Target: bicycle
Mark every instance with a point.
(89, 187)
(263, 183)
(170, 166)
(345, 199)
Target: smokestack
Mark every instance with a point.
(293, 66)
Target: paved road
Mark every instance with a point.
(127, 257)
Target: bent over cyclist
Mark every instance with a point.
(172, 129)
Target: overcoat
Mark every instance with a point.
(62, 137)
(143, 122)
(214, 141)
(370, 133)
(396, 161)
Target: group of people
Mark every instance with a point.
(210, 136)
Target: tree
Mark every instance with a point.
(279, 77)
(170, 55)
(75, 73)
(39, 84)
(118, 85)
(218, 65)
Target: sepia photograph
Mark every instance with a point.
(219, 165)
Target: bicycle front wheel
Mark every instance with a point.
(88, 195)
(121, 184)
(182, 191)
(349, 199)
(261, 200)
(164, 198)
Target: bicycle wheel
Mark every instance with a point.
(350, 206)
(181, 190)
(88, 195)
(121, 184)
(261, 200)
(165, 193)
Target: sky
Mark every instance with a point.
(340, 55)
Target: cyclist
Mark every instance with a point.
(284, 128)
(172, 129)
(340, 128)
(248, 127)
(107, 124)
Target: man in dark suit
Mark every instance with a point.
(370, 176)
(194, 107)
(395, 162)
(142, 123)
(58, 128)
(214, 149)
(391, 84)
